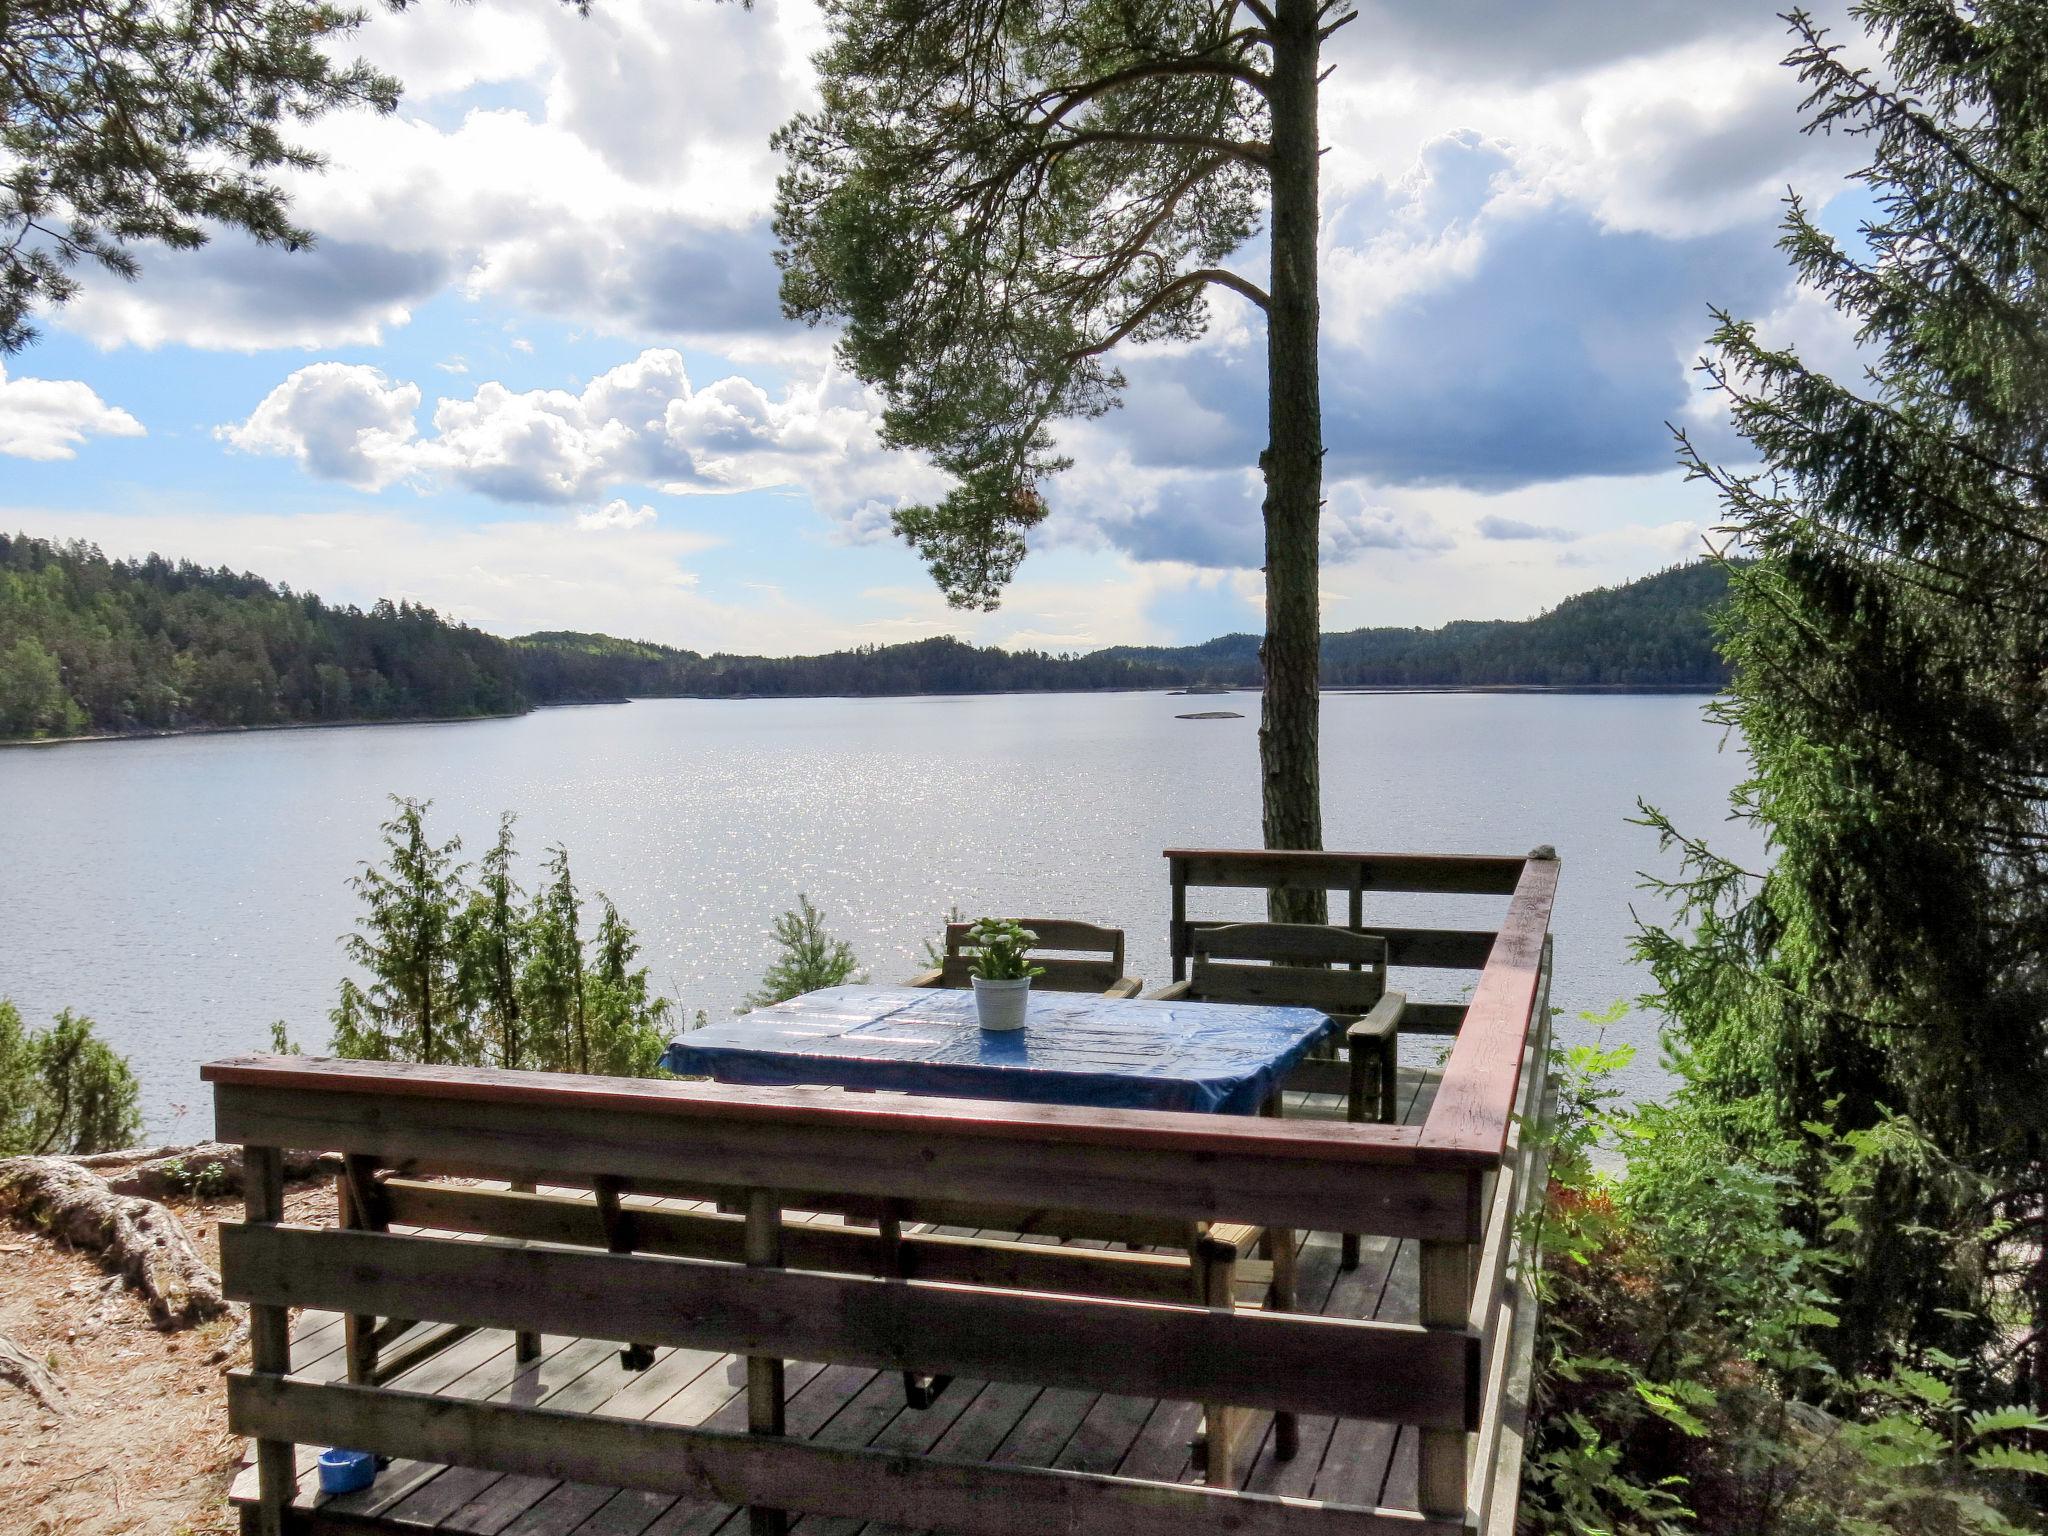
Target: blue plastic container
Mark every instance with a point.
(346, 1471)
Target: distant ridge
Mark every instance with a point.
(93, 647)
(1655, 632)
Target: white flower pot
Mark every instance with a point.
(1001, 1004)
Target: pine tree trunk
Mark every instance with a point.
(1289, 762)
(2036, 1360)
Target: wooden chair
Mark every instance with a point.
(1078, 957)
(1310, 965)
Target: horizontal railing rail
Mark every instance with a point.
(569, 1243)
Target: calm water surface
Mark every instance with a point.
(186, 892)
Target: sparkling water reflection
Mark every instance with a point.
(186, 892)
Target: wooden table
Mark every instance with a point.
(1075, 1048)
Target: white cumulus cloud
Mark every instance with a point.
(341, 421)
(617, 513)
(641, 423)
(50, 418)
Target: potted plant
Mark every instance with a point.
(1002, 971)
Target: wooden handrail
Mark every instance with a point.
(993, 1120)
(1476, 1098)
(1472, 874)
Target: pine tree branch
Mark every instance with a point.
(1112, 263)
(1057, 101)
(1187, 283)
(1254, 152)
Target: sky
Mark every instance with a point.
(534, 373)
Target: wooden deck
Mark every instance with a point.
(789, 1349)
(1350, 1462)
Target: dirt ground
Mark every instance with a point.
(145, 1448)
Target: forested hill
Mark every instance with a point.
(1651, 633)
(1654, 632)
(89, 644)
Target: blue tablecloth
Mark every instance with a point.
(1075, 1048)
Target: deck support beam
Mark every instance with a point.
(764, 1375)
(270, 1342)
(525, 1346)
(355, 1196)
(1446, 1302)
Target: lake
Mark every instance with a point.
(187, 891)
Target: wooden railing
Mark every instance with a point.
(745, 1283)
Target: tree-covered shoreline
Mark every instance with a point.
(90, 645)
(98, 648)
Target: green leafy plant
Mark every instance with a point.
(207, 1179)
(935, 949)
(1002, 950)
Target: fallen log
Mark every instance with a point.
(19, 1368)
(136, 1236)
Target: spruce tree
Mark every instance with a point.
(551, 983)
(63, 1090)
(490, 942)
(808, 958)
(1890, 649)
(628, 1023)
(412, 1008)
(474, 974)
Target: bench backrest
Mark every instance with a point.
(1077, 957)
(1305, 965)
(1347, 879)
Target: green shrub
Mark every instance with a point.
(1679, 1385)
(474, 972)
(62, 1089)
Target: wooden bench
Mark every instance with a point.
(1202, 1262)
(1352, 877)
(1311, 965)
(1076, 956)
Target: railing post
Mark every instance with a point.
(270, 1341)
(764, 1375)
(1446, 1287)
(357, 1196)
(525, 1346)
(1280, 1248)
(1177, 927)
